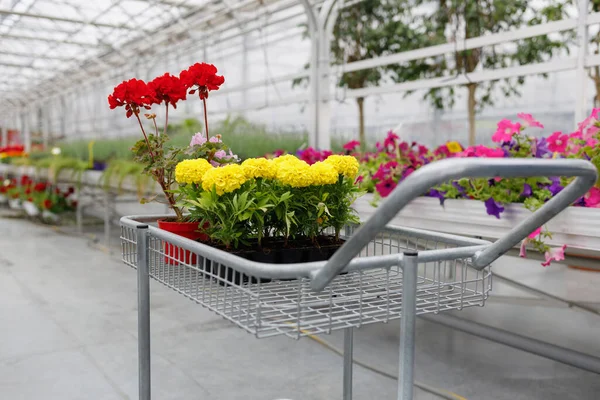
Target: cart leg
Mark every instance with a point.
(143, 276)
(348, 361)
(407, 326)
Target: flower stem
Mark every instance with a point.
(205, 119)
(155, 127)
(166, 118)
(137, 115)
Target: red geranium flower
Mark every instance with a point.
(203, 77)
(40, 186)
(47, 204)
(132, 94)
(167, 88)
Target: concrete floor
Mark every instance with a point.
(68, 331)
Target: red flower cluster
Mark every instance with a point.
(132, 94)
(47, 204)
(17, 148)
(135, 93)
(203, 77)
(167, 88)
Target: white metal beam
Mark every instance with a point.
(62, 19)
(49, 39)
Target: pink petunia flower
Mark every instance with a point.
(555, 254)
(529, 120)
(557, 142)
(529, 238)
(351, 145)
(592, 198)
(482, 151)
(384, 188)
(506, 130)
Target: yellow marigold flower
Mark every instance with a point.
(224, 179)
(454, 147)
(259, 168)
(345, 165)
(287, 158)
(323, 174)
(191, 171)
(294, 173)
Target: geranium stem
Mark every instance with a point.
(166, 118)
(137, 115)
(205, 119)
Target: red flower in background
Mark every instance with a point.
(167, 88)
(47, 204)
(132, 94)
(40, 186)
(202, 76)
(25, 180)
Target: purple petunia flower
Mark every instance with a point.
(460, 189)
(493, 208)
(556, 187)
(438, 194)
(541, 149)
(527, 192)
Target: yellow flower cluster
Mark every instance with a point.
(322, 173)
(191, 171)
(345, 165)
(288, 169)
(259, 168)
(224, 179)
(294, 172)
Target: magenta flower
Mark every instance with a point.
(390, 140)
(384, 188)
(555, 254)
(506, 130)
(529, 120)
(493, 208)
(557, 142)
(359, 179)
(529, 238)
(592, 198)
(482, 151)
(351, 145)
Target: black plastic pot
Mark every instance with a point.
(276, 254)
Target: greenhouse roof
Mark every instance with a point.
(46, 45)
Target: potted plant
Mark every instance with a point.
(277, 211)
(462, 199)
(160, 160)
(53, 202)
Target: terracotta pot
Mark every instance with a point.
(174, 254)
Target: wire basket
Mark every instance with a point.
(269, 307)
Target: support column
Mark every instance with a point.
(581, 71)
(4, 133)
(45, 126)
(245, 72)
(26, 131)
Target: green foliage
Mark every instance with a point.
(119, 170)
(266, 208)
(452, 20)
(250, 139)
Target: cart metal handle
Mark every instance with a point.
(439, 172)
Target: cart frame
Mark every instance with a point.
(322, 277)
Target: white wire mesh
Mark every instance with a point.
(288, 307)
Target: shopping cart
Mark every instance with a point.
(381, 273)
